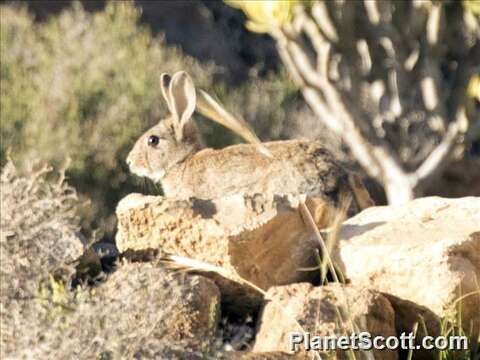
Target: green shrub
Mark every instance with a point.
(83, 86)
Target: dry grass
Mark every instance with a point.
(43, 316)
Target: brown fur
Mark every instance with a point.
(296, 167)
(186, 170)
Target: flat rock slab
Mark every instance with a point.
(332, 310)
(261, 239)
(425, 252)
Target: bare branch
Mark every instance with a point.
(287, 60)
(330, 120)
(319, 42)
(356, 79)
(322, 18)
(372, 11)
(433, 24)
(412, 59)
(342, 123)
(395, 107)
(432, 91)
(436, 161)
(363, 51)
(429, 93)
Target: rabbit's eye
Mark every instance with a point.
(153, 140)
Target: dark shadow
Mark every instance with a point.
(407, 313)
(205, 208)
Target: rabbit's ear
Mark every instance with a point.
(183, 100)
(165, 80)
(213, 110)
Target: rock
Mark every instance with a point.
(323, 311)
(261, 239)
(274, 355)
(105, 249)
(87, 266)
(181, 312)
(426, 254)
(407, 313)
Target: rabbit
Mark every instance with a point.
(172, 153)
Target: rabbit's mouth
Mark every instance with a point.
(157, 176)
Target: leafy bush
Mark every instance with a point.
(85, 86)
(82, 86)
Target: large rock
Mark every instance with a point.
(332, 310)
(426, 254)
(261, 239)
(180, 312)
(277, 355)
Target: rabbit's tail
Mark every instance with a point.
(360, 193)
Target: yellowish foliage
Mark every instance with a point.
(265, 16)
(473, 89)
(473, 6)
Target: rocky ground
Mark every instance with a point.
(400, 264)
(223, 278)
(231, 277)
